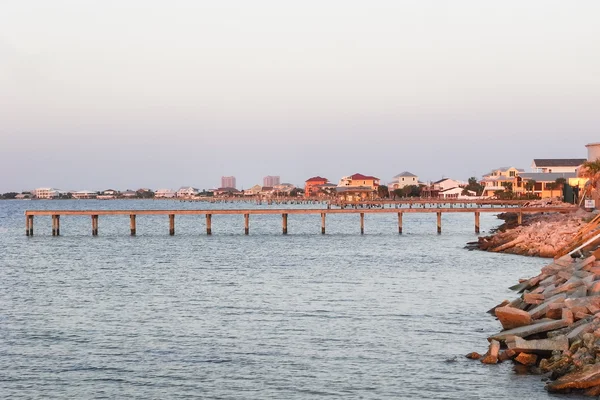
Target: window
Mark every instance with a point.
(511, 173)
(402, 178)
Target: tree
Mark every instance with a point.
(508, 186)
(530, 185)
(410, 191)
(474, 186)
(383, 192)
(9, 195)
(145, 194)
(559, 184)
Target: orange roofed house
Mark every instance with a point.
(358, 187)
(313, 185)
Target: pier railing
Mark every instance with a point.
(284, 212)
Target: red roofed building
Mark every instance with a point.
(358, 187)
(359, 180)
(311, 186)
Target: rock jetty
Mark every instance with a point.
(540, 235)
(553, 327)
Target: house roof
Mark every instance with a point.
(358, 177)
(188, 188)
(326, 185)
(405, 174)
(558, 162)
(266, 188)
(317, 179)
(227, 189)
(547, 176)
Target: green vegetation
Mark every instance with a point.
(9, 195)
(474, 186)
(383, 192)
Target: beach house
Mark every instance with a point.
(312, 186)
(403, 179)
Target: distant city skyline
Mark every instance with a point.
(271, 181)
(160, 94)
(228, 182)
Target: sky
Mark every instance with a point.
(161, 94)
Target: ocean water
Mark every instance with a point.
(263, 316)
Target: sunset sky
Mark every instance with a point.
(129, 94)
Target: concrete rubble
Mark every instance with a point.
(541, 234)
(553, 327)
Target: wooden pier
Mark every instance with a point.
(95, 214)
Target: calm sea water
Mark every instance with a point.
(263, 316)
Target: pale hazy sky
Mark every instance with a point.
(128, 94)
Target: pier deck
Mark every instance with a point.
(284, 212)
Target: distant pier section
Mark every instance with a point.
(476, 208)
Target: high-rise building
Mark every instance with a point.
(228, 182)
(271, 181)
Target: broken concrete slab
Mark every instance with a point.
(520, 345)
(525, 331)
(492, 355)
(511, 317)
(541, 309)
(577, 333)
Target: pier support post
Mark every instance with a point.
(284, 223)
(400, 223)
(209, 224)
(477, 221)
(520, 218)
(439, 222)
(31, 225)
(57, 225)
(246, 224)
(53, 225)
(362, 223)
(171, 224)
(132, 224)
(323, 223)
(27, 225)
(94, 225)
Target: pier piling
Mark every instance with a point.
(132, 224)
(27, 226)
(171, 224)
(94, 225)
(477, 221)
(246, 224)
(284, 218)
(31, 225)
(209, 224)
(400, 223)
(520, 218)
(323, 223)
(439, 222)
(54, 225)
(362, 223)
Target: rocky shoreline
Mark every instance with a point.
(541, 235)
(553, 328)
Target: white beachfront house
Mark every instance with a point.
(46, 193)
(403, 179)
(563, 165)
(187, 191)
(456, 193)
(84, 194)
(165, 194)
